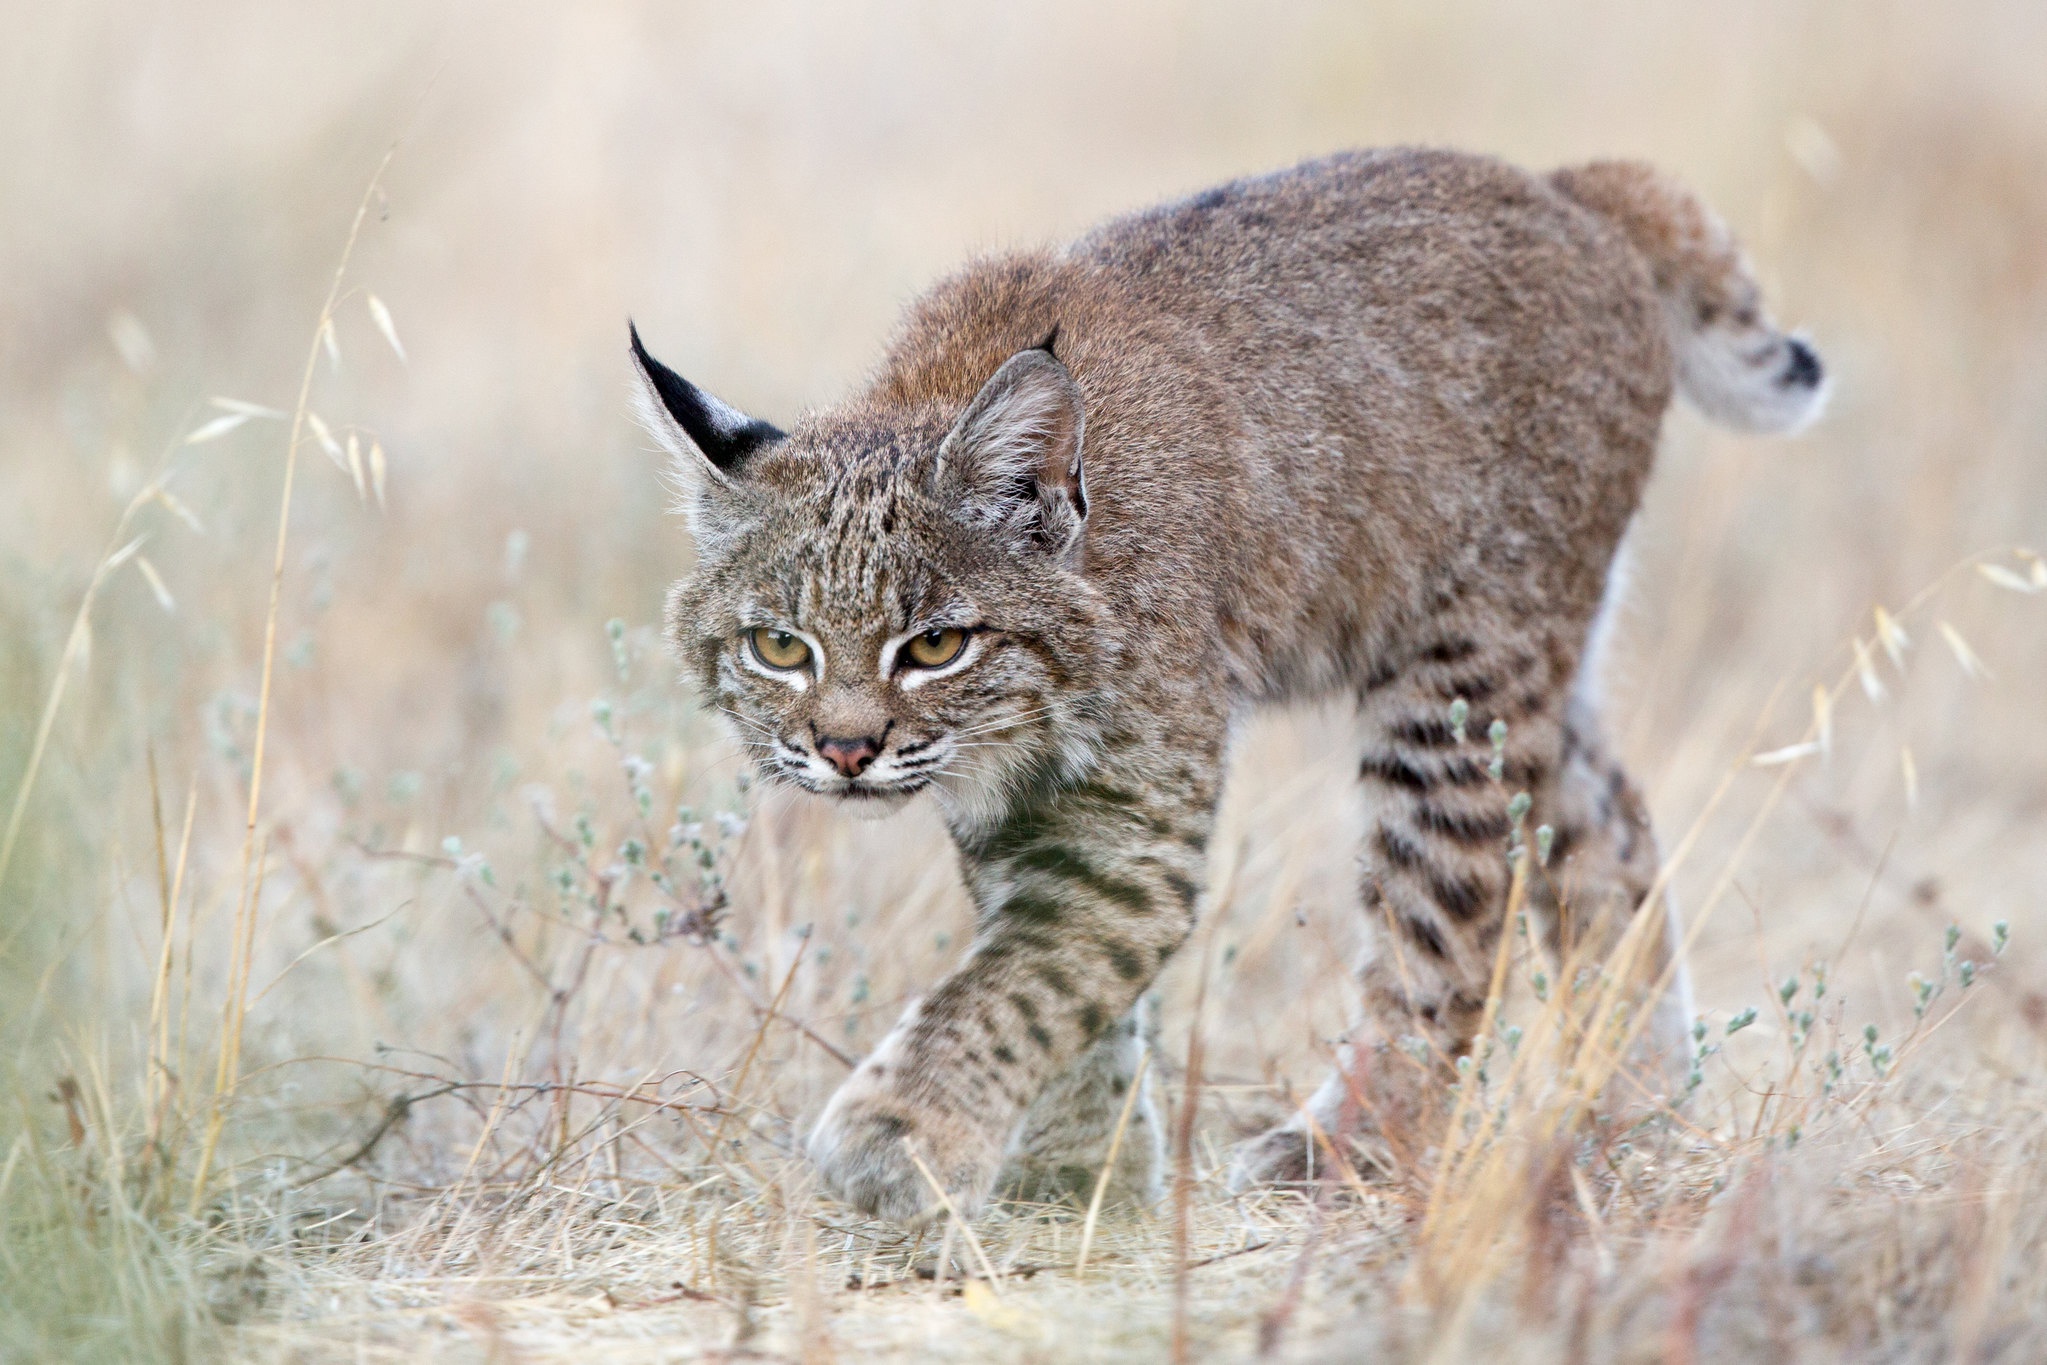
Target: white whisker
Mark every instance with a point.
(1007, 722)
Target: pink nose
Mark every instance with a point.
(849, 756)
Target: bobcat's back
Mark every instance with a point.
(1315, 398)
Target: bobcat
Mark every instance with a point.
(1373, 426)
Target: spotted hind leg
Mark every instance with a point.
(1601, 870)
(1454, 741)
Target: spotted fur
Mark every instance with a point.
(1372, 426)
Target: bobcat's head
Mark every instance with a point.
(889, 600)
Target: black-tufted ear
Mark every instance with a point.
(695, 427)
(1013, 459)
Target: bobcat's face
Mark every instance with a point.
(866, 642)
(879, 611)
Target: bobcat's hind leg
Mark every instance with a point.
(1369, 1109)
(1602, 866)
(1066, 1134)
(1441, 797)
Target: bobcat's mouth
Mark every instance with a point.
(862, 790)
(865, 800)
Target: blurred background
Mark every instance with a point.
(763, 187)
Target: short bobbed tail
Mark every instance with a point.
(1733, 364)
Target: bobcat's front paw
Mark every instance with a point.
(862, 1144)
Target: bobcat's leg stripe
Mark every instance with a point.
(1395, 772)
(1472, 689)
(1398, 850)
(1382, 676)
(1464, 771)
(1059, 861)
(1427, 733)
(1465, 827)
(1123, 959)
(1424, 932)
(1028, 908)
(1055, 980)
(1462, 898)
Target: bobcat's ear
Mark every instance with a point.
(707, 440)
(1013, 460)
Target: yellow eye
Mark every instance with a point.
(935, 648)
(778, 648)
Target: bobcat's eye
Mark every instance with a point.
(778, 649)
(934, 648)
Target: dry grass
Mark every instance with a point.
(363, 995)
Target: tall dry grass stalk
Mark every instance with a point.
(77, 644)
(248, 898)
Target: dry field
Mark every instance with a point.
(366, 996)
